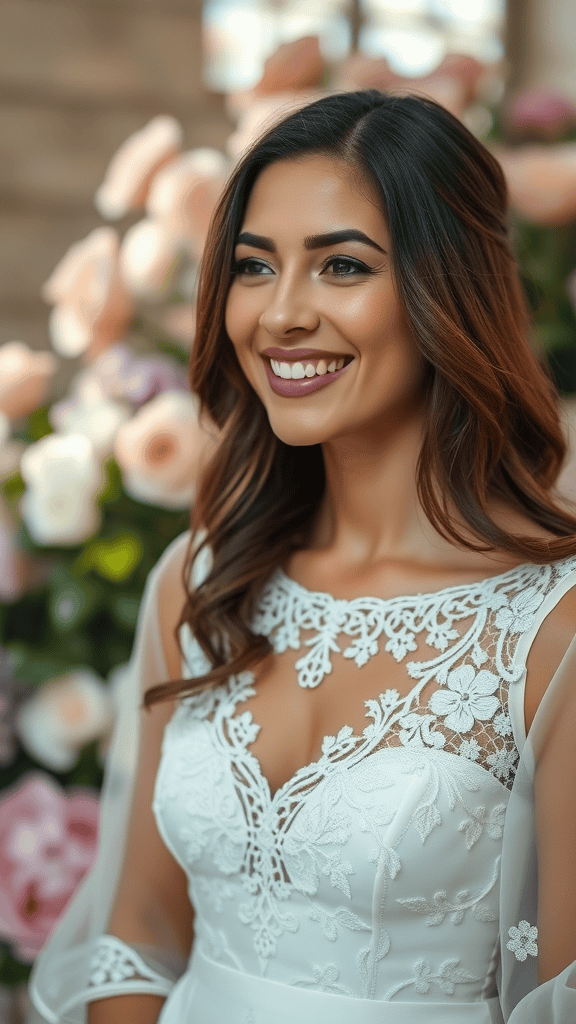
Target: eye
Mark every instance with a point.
(345, 266)
(250, 268)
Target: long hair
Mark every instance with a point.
(492, 428)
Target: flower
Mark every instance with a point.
(63, 476)
(161, 450)
(503, 762)
(19, 570)
(92, 306)
(184, 193)
(47, 843)
(470, 749)
(10, 451)
(121, 375)
(133, 166)
(541, 181)
(522, 941)
(502, 724)
(64, 715)
(297, 64)
(24, 376)
(91, 414)
(519, 615)
(466, 698)
(149, 258)
(541, 113)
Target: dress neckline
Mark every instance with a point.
(456, 588)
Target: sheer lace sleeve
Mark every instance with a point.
(537, 977)
(99, 947)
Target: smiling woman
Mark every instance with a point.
(382, 485)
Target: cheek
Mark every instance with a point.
(241, 314)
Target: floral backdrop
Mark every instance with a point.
(93, 486)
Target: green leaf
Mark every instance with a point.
(115, 559)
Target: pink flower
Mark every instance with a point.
(541, 181)
(131, 170)
(294, 65)
(162, 449)
(119, 374)
(541, 113)
(48, 842)
(24, 377)
(92, 305)
(183, 194)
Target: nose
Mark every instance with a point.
(288, 308)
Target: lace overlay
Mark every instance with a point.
(374, 870)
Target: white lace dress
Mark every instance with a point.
(367, 888)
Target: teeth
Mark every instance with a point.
(297, 371)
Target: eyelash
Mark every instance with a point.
(361, 268)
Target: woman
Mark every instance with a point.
(339, 791)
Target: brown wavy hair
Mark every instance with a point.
(492, 425)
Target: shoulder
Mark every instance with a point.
(555, 633)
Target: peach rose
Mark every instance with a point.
(63, 476)
(150, 258)
(24, 377)
(131, 170)
(63, 716)
(92, 305)
(90, 413)
(162, 449)
(541, 113)
(541, 181)
(48, 841)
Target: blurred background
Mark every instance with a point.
(119, 122)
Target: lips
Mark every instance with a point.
(300, 388)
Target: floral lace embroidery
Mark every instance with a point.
(522, 941)
(113, 961)
(280, 844)
(446, 978)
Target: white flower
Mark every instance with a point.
(470, 749)
(502, 724)
(64, 715)
(63, 476)
(466, 699)
(523, 940)
(402, 642)
(161, 450)
(91, 414)
(519, 616)
(503, 762)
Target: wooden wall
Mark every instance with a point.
(77, 77)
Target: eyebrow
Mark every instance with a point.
(311, 241)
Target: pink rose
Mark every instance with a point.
(541, 113)
(48, 841)
(131, 170)
(24, 376)
(92, 307)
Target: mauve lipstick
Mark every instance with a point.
(294, 355)
(300, 388)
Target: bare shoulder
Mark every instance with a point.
(550, 644)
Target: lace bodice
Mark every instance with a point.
(374, 870)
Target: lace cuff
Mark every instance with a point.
(117, 968)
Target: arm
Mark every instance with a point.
(151, 905)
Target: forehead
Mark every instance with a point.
(312, 190)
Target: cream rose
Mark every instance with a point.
(64, 476)
(63, 716)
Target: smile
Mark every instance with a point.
(295, 380)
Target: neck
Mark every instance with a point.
(370, 511)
